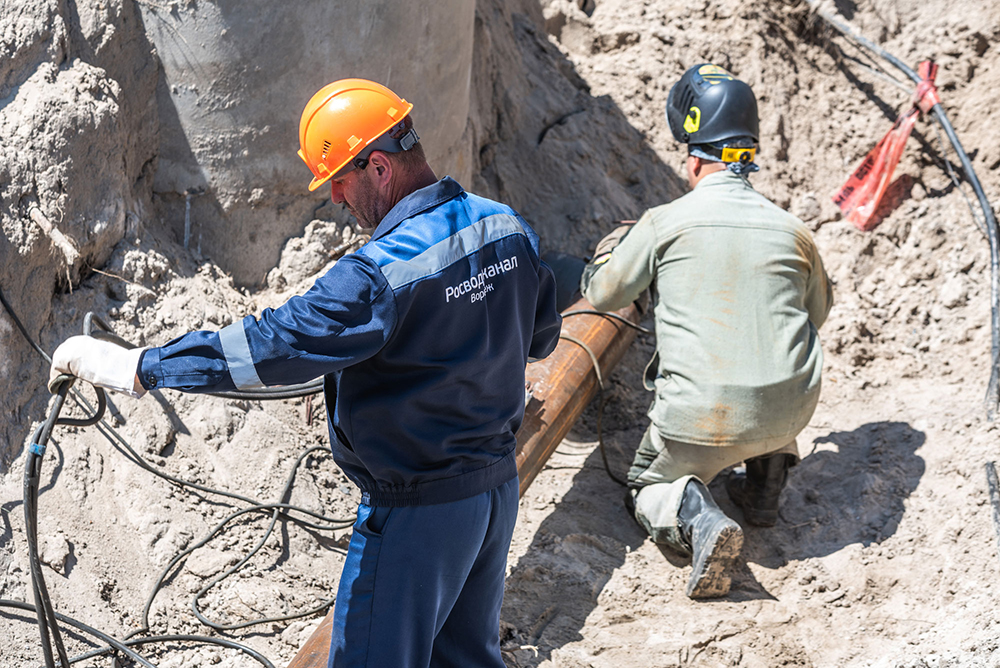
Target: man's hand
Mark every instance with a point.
(98, 362)
(611, 241)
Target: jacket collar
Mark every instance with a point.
(722, 177)
(417, 202)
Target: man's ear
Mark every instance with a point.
(692, 166)
(380, 168)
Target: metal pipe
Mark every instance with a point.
(564, 383)
(315, 653)
(561, 387)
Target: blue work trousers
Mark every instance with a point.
(422, 585)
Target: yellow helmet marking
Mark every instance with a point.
(714, 74)
(693, 120)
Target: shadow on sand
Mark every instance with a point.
(834, 498)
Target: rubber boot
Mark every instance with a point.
(758, 489)
(714, 539)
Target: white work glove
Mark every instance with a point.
(101, 363)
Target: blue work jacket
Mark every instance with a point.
(422, 336)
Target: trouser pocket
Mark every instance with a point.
(372, 520)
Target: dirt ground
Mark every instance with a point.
(885, 553)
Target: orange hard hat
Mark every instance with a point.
(345, 121)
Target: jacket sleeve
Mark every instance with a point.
(614, 281)
(345, 318)
(548, 321)
(819, 291)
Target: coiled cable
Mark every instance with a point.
(48, 620)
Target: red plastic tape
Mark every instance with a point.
(860, 196)
(926, 95)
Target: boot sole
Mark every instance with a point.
(708, 574)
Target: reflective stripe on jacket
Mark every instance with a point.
(422, 336)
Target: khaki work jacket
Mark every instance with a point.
(740, 292)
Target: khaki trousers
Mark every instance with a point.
(663, 467)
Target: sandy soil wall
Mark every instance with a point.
(79, 125)
(120, 112)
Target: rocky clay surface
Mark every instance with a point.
(885, 553)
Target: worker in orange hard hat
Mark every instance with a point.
(422, 336)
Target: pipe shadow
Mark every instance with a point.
(573, 554)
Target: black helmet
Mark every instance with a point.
(709, 105)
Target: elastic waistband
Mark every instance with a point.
(443, 490)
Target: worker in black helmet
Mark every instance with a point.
(740, 292)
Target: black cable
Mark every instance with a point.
(278, 392)
(602, 398)
(203, 640)
(958, 184)
(20, 326)
(608, 314)
(119, 443)
(125, 647)
(47, 621)
(331, 523)
(158, 585)
(277, 512)
(993, 390)
(46, 616)
(114, 645)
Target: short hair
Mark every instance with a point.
(414, 158)
(411, 160)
